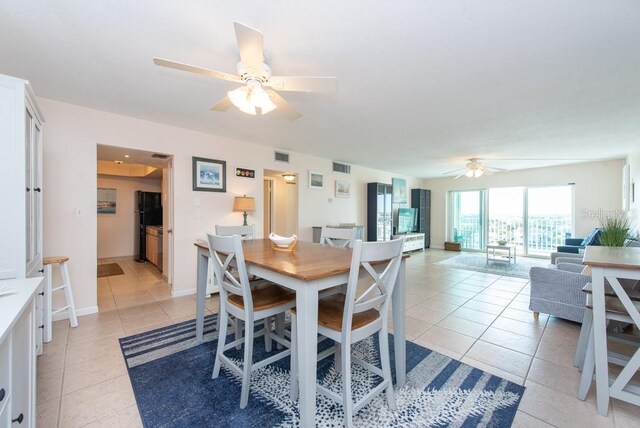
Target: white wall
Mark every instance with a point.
(597, 188)
(70, 138)
(116, 234)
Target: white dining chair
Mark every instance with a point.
(338, 236)
(347, 319)
(245, 303)
(249, 232)
(246, 232)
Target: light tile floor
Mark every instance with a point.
(480, 319)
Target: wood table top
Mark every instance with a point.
(612, 257)
(308, 261)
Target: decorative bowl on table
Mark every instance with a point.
(283, 243)
(502, 242)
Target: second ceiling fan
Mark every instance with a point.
(259, 87)
(474, 168)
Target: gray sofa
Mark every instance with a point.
(557, 290)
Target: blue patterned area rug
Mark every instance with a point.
(171, 378)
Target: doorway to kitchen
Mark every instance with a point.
(134, 225)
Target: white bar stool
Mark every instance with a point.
(49, 311)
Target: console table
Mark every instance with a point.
(412, 241)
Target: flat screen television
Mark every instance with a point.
(407, 220)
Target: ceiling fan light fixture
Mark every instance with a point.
(261, 99)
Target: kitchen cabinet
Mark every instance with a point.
(18, 352)
(154, 246)
(21, 186)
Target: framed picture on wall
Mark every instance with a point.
(399, 190)
(209, 175)
(106, 200)
(316, 180)
(343, 189)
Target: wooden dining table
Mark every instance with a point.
(309, 269)
(612, 264)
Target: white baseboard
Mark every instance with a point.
(180, 293)
(79, 312)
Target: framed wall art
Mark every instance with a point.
(316, 180)
(399, 190)
(209, 175)
(245, 173)
(343, 189)
(106, 200)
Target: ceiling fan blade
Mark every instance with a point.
(283, 106)
(455, 171)
(495, 169)
(198, 70)
(223, 105)
(458, 176)
(250, 45)
(304, 84)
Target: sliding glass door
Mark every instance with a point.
(506, 216)
(548, 218)
(467, 219)
(534, 219)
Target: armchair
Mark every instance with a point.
(558, 292)
(573, 245)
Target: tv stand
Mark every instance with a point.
(412, 241)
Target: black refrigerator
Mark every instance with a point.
(147, 212)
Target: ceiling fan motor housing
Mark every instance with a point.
(251, 75)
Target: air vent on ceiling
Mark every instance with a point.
(160, 156)
(282, 157)
(342, 167)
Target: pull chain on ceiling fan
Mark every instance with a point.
(259, 87)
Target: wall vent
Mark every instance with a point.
(342, 167)
(282, 157)
(160, 156)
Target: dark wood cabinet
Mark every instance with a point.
(421, 199)
(379, 212)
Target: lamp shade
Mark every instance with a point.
(244, 203)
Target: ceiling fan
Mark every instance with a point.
(259, 87)
(474, 168)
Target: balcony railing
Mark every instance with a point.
(544, 233)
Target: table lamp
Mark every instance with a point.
(243, 204)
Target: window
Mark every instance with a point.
(535, 219)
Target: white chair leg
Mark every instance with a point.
(346, 384)
(583, 340)
(267, 334)
(385, 362)
(222, 336)
(238, 326)
(246, 366)
(66, 280)
(587, 369)
(293, 392)
(280, 328)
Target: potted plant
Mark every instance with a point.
(615, 231)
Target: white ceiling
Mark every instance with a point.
(423, 85)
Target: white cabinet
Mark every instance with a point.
(21, 186)
(412, 241)
(18, 353)
(20, 180)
